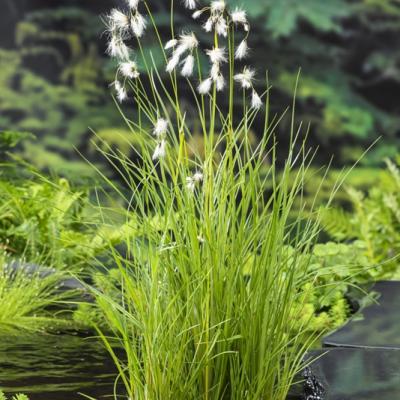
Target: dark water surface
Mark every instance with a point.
(377, 326)
(50, 367)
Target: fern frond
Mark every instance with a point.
(337, 223)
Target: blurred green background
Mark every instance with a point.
(54, 75)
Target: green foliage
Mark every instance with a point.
(26, 299)
(55, 83)
(337, 267)
(281, 18)
(50, 220)
(15, 397)
(54, 87)
(373, 219)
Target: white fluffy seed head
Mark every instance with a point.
(198, 177)
(215, 72)
(242, 50)
(118, 20)
(208, 26)
(192, 181)
(138, 24)
(220, 83)
(129, 69)
(197, 14)
(173, 63)
(190, 184)
(170, 44)
(122, 95)
(117, 48)
(239, 16)
(160, 150)
(218, 6)
(188, 41)
(205, 86)
(221, 27)
(117, 85)
(256, 101)
(188, 66)
(160, 127)
(190, 4)
(245, 78)
(217, 55)
(133, 4)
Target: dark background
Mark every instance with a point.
(54, 75)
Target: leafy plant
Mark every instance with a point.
(16, 397)
(373, 219)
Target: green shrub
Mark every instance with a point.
(373, 218)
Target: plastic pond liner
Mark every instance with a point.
(352, 374)
(361, 360)
(51, 367)
(376, 326)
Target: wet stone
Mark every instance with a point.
(376, 326)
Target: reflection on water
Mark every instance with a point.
(55, 367)
(360, 374)
(376, 326)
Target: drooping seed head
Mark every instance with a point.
(129, 69)
(170, 44)
(242, 50)
(118, 20)
(239, 16)
(138, 24)
(197, 14)
(220, 83)
(217, 55)
(133, 4)
(188, 41)
(245, 78)
(256, 101)
(198, 177)
(188, 66)
(190, 4)
(117, 48)
(205, 86)
(218, 6)
(221, 27)
(208, 25)
(160, 150)
(173, 63)
(160, 127)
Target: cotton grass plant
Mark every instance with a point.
(210, 293)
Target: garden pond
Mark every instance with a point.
(55, 367)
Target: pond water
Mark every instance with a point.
(50, 367)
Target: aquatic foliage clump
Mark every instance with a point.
(28, 297)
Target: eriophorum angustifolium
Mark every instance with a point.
(219, 20)
(211, 293)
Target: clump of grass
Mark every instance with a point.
(28, 300)
(208, 299)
